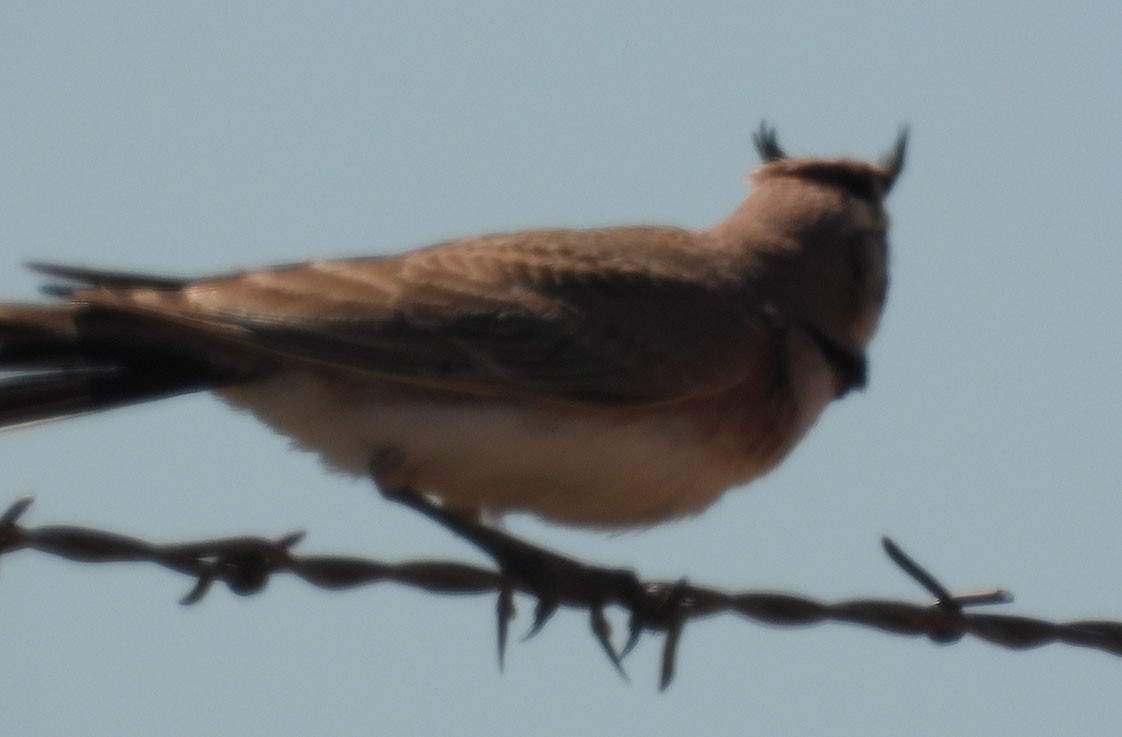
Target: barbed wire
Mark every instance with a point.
(246, 563)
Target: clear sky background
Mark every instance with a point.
(190, 138)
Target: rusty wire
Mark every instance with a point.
(246, 563)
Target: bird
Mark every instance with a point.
(605, 378)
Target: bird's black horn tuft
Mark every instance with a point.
(894, 161)
(767, 143)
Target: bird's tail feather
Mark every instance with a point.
(57, 361)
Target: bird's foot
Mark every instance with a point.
(555, 579)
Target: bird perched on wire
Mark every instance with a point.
(608, 377)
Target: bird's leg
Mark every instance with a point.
(553, 578)
(531, 565)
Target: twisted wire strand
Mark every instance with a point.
(246, 563)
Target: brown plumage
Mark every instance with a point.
(615, 376)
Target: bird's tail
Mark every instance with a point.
(61, 360)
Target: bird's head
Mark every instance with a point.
(815, 230)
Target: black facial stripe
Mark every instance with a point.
(862, 186)
(850, 368)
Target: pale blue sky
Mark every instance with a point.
(195, 137)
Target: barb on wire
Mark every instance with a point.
(245, 565)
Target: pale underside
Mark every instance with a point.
(589, 466)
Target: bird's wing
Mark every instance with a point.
(621, 315)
